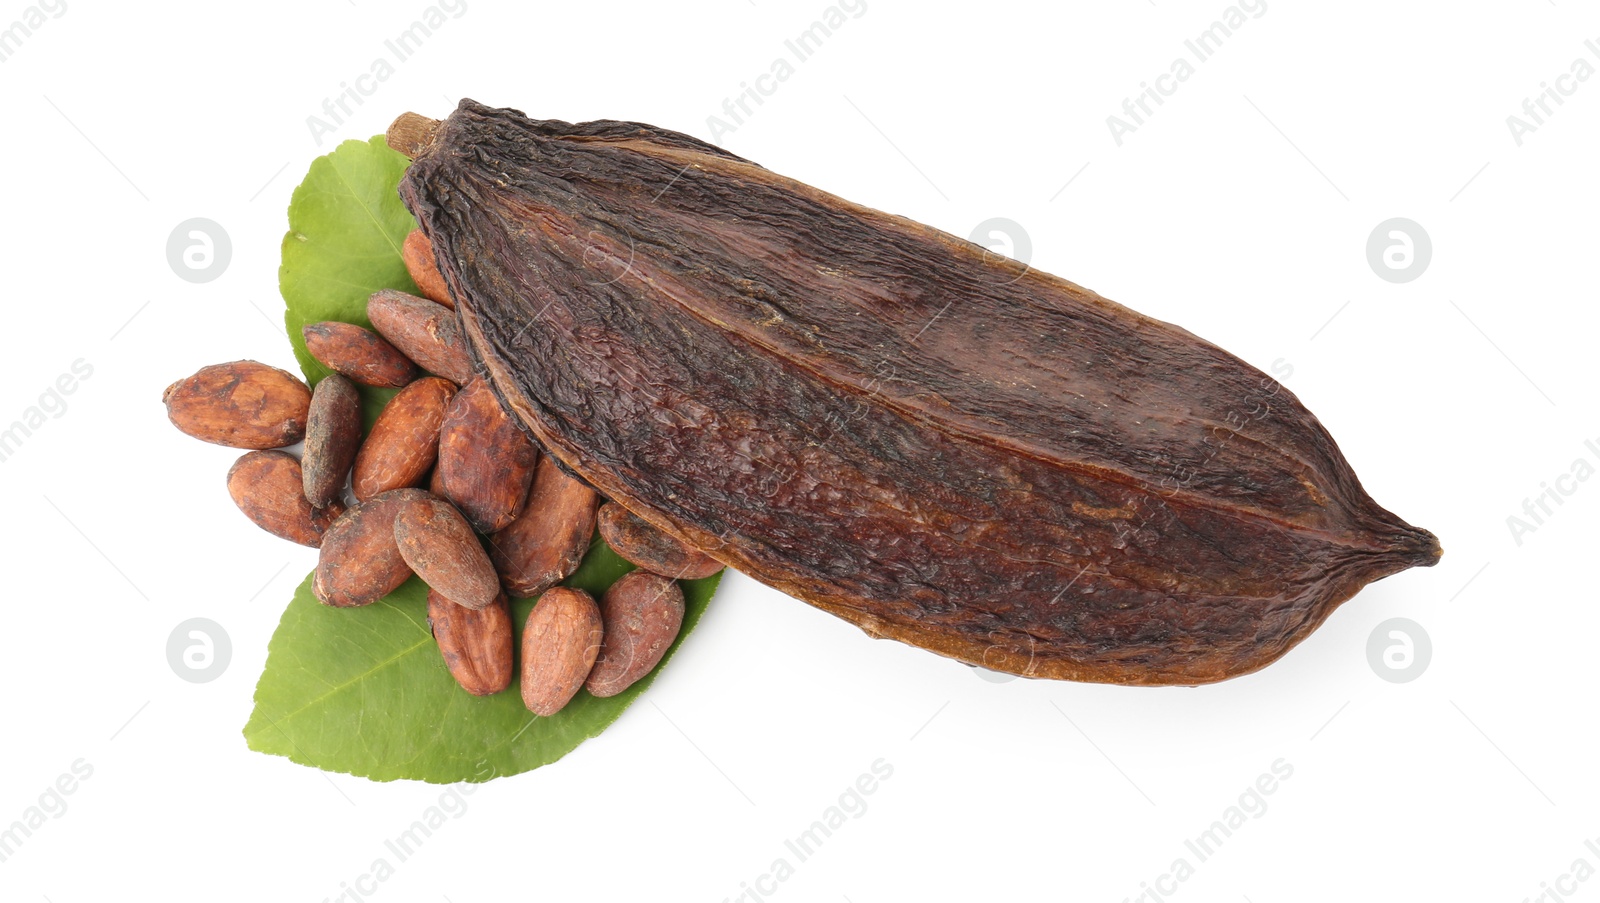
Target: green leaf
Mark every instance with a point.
(346, 224)
(365, 690)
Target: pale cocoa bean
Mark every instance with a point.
(439, 545)
(243, 404)
(267, 487)
(642, 544)
(476, 643)
(333, 434)
(486, 462)
(427, 332)
(642, 614)
(560, 641)
(404, 441)
(547, 542)
(360, 562)
(358, 353)
(418, 254)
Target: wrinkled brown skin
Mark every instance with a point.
(404, 441)
(358, 353)
(642, 613)
(476, 643)
(424, 331)
(637, 542)
(359, 562)
(266, 485)
(241, 404)
(486, 461)
(548, 540)
(333, 435)
(439, 545)
(560, 641)
(940, 445)
(418, 255)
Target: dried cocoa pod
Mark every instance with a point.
(938, 444)
(333, 434)
(439, 545)
(636, 541)
(486, 461)
(404, 440)
(418, 255)
(642, 614)
(476, 643)
(266, 485)
(560, 641)
(243, 404)
(547, 542)
(360, 562)
(358, 353)
(425, 331)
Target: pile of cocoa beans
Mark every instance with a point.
(497, 518)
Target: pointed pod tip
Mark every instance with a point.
(411, 133)
(1421, 549)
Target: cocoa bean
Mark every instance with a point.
(476, 643)
(333, 435)
(547, 542)
(439, 545)
(560, 641)
(425, 331)
(267, 486)
(404, 440)
(360, 562)
(360, 354)
(242, 404)
(486, 462)
(642, 613)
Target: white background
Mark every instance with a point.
(1240, 210)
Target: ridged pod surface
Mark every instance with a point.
(940, 445)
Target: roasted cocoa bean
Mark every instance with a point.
(547, 542)
(360, 354)
(360, 562)
(267, 487)
(404, 440)
(486, 462)
(560, 641)
(427, 332)
(243, 404)
(636, 541)
(418, 254)
(476, 643)
(642, 613)
(333, 435)
(439, 545)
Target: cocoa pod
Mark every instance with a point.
(360, 562)
(476, 643)
(439, 545)
(942, 445)
(486, 462)
(358, 353)
(266, 485)
(642, 614)
(333, 434)
(418, 255)
(425, 331)
(560, 641)
(639, 543)
(547, 542)
(243, 404)
(404, 440)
